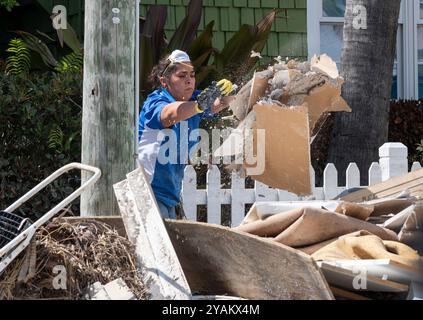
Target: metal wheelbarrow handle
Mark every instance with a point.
(22, 240)
(50, 179)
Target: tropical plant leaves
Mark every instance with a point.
(19, 61)
(187, 30)
(73, 62)
(153, 29)
(234, 60)
(202, 47)
(236, 54)
(69, 37)
(35, 44)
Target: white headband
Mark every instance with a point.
(178, 56)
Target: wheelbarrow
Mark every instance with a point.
(16, 232)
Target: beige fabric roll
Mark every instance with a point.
(308, 226)
(368, 248)
(355, 210)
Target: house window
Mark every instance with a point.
(419, 27)
(325, 22)
(331, 35)
(333, 8)
(420, 60)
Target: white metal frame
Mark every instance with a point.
(407, 46)
(10, 251)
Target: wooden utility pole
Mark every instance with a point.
(109, 99)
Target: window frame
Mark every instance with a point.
(407, 73)
(418, 21)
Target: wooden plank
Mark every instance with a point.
(344, 279)
(221, 261)
(382, 269)
(412, 181)
(156, 256)
(344, 294)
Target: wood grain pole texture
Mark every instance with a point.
(109, 99)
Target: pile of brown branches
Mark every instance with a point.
(87, 252)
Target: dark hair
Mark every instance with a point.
(161, 69)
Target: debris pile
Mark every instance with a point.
(378, 242)
(88, 252)
(286, 102)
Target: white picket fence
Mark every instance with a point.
(393, 162)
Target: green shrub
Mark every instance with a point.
(419, 152)
(9, 4)
(40, 126)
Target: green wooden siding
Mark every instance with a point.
(288, 36)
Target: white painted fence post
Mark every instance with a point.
(375, 174)
(393, 160)
(352, 176)
(189, 193)
(214, 208)
(416, 166)
(237, 199)
(330, 181)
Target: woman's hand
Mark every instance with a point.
(222, 103)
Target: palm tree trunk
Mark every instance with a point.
(367, 66)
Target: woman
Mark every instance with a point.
(173, 102)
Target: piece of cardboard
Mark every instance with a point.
(259, 87)
(326, 98)
(287, 148)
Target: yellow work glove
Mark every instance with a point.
(225, 86)
(216, 90)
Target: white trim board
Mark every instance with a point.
(344, 279)
(382, 269)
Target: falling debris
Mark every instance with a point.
(286, 101)
(256, 54)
